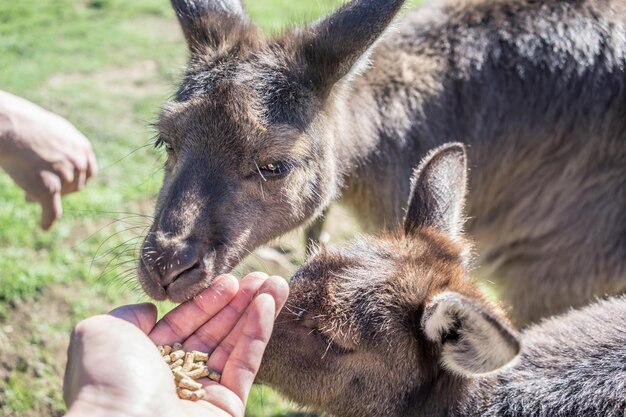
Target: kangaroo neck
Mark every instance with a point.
(373, 125)
(355, 126)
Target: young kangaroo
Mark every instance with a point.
(394, 327)
(265, 132)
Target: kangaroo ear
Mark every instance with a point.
(474, 339)
(208, 23)
(438, 191)
(333, 46)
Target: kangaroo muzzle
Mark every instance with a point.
(174, 268)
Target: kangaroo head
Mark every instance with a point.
(384, 323)
(249, 137)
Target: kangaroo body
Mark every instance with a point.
(570, 365)
(265, 133)
(537, 90)
(393, 326)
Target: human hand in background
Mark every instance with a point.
(114, 368)
(44, 154)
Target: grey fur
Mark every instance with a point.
(536, 89)
(391, 326)
(538, 92)
(571, 365)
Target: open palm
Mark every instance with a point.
(115, 369)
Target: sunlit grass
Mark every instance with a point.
(107, 66)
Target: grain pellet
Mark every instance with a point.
(198, 373)
(189, 384)
(176, 364)
(176, 355)
(186, 368)
(185, 394)
(200, 356)
(188, 361)
(178, 375)
(215, 376)
(197, 395)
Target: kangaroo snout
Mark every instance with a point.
(174, 268)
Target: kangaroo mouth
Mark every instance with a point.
(184, 286)
(188, 284)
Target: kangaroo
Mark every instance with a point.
(266, 131)
(392, 326)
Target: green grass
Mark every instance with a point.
(107, 66)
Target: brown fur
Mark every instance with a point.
(348, 333)
(356, 338)
(535, 88)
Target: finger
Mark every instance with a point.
(73, 173)
(219, 400)
(65, 171)
(81, 179)
(209, 335)
(77, 183)
(184, 320)
(278, 289)
(243, 364)
(141, 315)
(92, 165)
(51, 209)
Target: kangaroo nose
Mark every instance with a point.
(168, 258)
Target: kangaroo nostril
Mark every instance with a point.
(167, 258)
(179, 262)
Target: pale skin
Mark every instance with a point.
(115, 370)
(44, 154)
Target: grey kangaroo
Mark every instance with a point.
(392, 326)
(265, 132)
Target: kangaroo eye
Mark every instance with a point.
(274, 170)
(162, 143)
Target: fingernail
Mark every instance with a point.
(259, 275)
(219, 283)
(222, 281)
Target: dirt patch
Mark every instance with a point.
(159, 27)
(139, 79)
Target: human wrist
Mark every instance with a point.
(12, 111)
(7, 136)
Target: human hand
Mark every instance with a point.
(44, 154)
(114, 368)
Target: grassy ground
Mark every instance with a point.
(106, 65)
